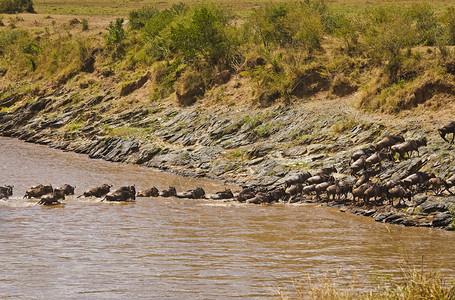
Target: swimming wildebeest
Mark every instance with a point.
(447, 129)
(98, 192)
(226, 194)
(67, 189)
(125, 193)
(152, 192)
(6, 191)
(197, 193)
(171, 192)
(38, 191)
(52, 199)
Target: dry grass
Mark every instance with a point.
(122, 8)
(413, 283)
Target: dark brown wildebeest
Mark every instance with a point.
(226, 194)
(398, 192)
(97, 192)
(298, 178)
(359, 192)
(447, 129)
(6, 191)
(319, 179)
(123, 194)
(419, 180)
(326, 171)
(450, 183)
(389, 141)
(358, 165)
(38, 191)
(170, 192)
(408, 147)
(322, 188)
(308, 190)
(152, 192)
(67, 189)
(197, 193)
(437, 185)
(375, 190)
(247, 193)
(376, 158)
(53, 199)
(363, 152)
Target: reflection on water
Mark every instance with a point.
(180, 249)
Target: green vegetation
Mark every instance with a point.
(16, 6)
(286, 50)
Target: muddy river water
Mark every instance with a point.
(181, 249)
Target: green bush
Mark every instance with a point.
(448, 23)
(138, 18)
(115, 37)
(297, 25)
(203, 35)
(16, 6)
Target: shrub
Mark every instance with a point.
(203, 36)
(114, 38)
(289, 25)
(84, 24)
(448, 23)
(16, 6)
(138, 18)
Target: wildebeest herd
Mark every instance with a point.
(322, 185)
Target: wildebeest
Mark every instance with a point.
(376, 158)
(125, 193)
(447, 129)
(418, 179)
(197, 193)
(52, 199)
(322, 188)
(398, 192)
(226, 194)
(359, 192)
(298, 178)
(389, 141)
(38, 191)
(152, 192)
(408, 147)
(363, 152)
(6, 191)
(450, 183)
(359, 164)
(97, 192)
(437, 185)
(373, 191)
(307, 190)
(326, 171)
(246, 193)
(67, 189)
(319, 179)
(170, 192)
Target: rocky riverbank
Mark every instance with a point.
(239, 143)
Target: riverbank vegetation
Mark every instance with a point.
(398, 56)
(415, 283)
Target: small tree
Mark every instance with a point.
(114, 38)
(16, 6)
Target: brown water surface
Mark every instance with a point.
(181, 249)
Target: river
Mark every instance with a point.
(169, 248)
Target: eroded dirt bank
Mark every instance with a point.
(241, 143)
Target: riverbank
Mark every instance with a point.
(241, 144)
(253, 110)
